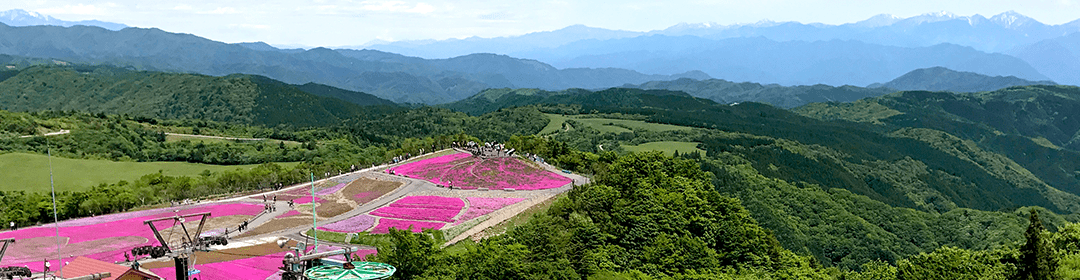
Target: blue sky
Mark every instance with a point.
(355, 22)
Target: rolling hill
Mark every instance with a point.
(236, 98)
(943, 79)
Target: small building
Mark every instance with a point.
(83, 266)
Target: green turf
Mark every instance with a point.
(30, 172)
(668, 147)
(555, 123)
(607, 125)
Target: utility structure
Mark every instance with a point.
(183, 254)
(312, 266)
(10, 272)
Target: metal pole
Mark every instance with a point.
(314, 220)
(56, 222)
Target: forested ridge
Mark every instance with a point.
(241, 99)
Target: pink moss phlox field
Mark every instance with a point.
(132, 226)
(289, 214)
(464, 171)
(417, 226)
(479, 206)
(427, 214)
(430, 202)
(306, 199)
(356, 223)
(331, 190)
(255, 268)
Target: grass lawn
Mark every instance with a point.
(30, 172)
(607, 125)
(668, 147)
(555, 123)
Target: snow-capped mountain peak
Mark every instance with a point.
(19, 17)
(1012, 20)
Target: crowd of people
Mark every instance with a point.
(487, 150)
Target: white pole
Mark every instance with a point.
(56, 222)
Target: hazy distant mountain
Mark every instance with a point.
(389, 76)
(501, 45)
(19, 17)
(728, 92)
(1058, 58)
(762, 60)
(998, 33)
(943, 79)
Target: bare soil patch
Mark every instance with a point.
(365, 190)
(277, 225)
(331, 208)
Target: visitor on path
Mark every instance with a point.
(12, 226)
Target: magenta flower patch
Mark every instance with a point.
(106, 238)
(306, 199)
(330, 190)
(430, 202)
(425, 214)
(289, 214)
(464, 171)
(417, 226)
(357, 223)
(479, 206)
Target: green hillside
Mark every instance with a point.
(30, 172)
(493, 99)
(825, 187)
(236, 98)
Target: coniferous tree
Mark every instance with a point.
(1037, 261)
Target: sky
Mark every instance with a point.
(333, 23)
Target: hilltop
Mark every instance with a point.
(944, 79)
(242, 99)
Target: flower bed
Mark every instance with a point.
(464, 171)
(357, 223)
(330, 190)
(428, 208)
(306, 199)
(417, 226)
(426, 214)
(479, 206)
(107, 238)
(430, 202)
(289, 214)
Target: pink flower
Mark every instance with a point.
(356, 223)
(417, 226)
(479, 206)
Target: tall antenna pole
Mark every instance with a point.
(314, 221)
(56, 222)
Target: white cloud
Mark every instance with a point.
(221, 11)
(80, 9)
(396, 7)
(250, 26)
(183, 7)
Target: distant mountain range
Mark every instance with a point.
(793, 53)
(18, 17)
(936, 79)
(787, 54)
(998, 33)
(391, 76)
